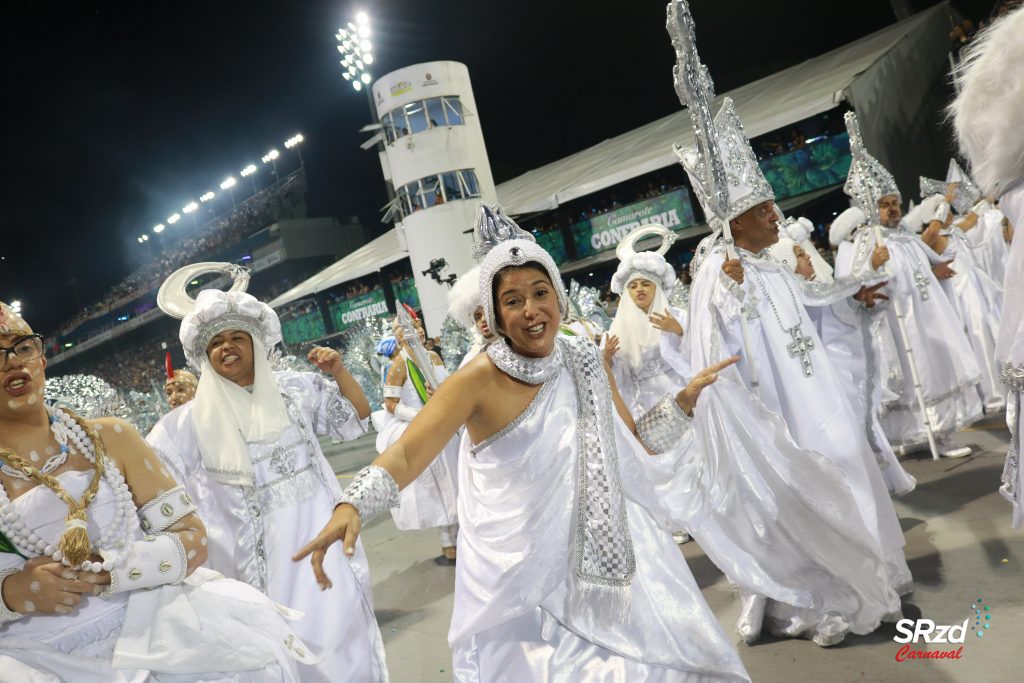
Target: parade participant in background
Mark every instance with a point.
(180, 386)
(100, 554)
(248, 451)
(431, 500)
(944, 360)
(849, 334)
(464, 307)
(563, 572)
(977, 297)
(988, 115)
(749, 302)
(645, 329)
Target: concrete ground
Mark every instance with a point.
(960, 548)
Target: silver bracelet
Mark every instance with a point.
(6, 613)
(372, 492)
(166, 509)
(661, 427)
(941, 212)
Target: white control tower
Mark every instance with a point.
(434, 156)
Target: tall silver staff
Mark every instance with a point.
(696, 91)
(858, 150)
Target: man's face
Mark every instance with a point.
(889, 213)
(231, 356)
(179, 392)
(22, 381)
(757, 228)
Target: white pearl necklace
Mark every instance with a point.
(14, 528)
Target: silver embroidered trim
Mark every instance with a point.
(339, 410)
(254, 505)
(372, 492)
(166, 509)
(731, 286)
(290, 489)
(511, 426)
(6, 613)
(1011, 469)
(869, 389)
(661, 427)
(530, 370)
(603, 549)
(1012, 377)
(896, 406)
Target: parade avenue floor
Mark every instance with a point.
(960, 548)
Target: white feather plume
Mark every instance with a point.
(844, 224)
(988, 112)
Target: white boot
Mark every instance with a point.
(949, 449)
(751, 617)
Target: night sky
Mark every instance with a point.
(118, 113)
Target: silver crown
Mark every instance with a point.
(868, 180)
(722, 167)
(492, 228)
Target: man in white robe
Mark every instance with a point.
(944, 358)
(246, 449)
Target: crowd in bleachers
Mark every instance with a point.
(284, 200)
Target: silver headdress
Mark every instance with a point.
(868, 180)
(498, 242)
(213, 311)
(722, 167)
(649, 265)
(966, 194)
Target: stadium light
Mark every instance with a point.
(355, 46)
(16, 306)
(293, 140)
(362, 19)
(173, 218)
(228, 183)
(249, 170)
(207, 197)
(357, 85)
(159, 228)
(272, 155)
(145, 238)
(189, 208)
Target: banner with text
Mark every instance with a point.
(602, 232)
(347, 312)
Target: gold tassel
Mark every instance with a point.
(74, 544)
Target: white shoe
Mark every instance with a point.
(948, 449)
(680, 537)
(996, 406)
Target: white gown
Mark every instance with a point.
(979, 299)
(517, 614)
(206, 629)
(815, 408)
(945, 361)
(851, 337)
(1010, 355)
(992, 251)
(430, 500)
(255, 530)
(642, 387)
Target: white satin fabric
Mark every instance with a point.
(945, 361)
(815, 409)
(206, 629)
(511, 621)
(992, 251)
(979, 300)
(643, 386)
(1010, 351)
(255, 530)
(430, 500)
(850, 333)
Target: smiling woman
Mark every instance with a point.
(561, 560)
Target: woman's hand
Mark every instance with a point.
(46, 587)
(666, 322)
(343, 526)
(687, 398)
(610, 347)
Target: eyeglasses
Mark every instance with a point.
(27, 348)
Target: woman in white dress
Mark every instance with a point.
(101, 550)
(645, 327)
(564, 572)
(430, 501)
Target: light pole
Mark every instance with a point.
(356, 57)
(250, 173)
(229, 185)
(271, 158)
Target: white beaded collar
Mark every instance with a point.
(523, 368)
